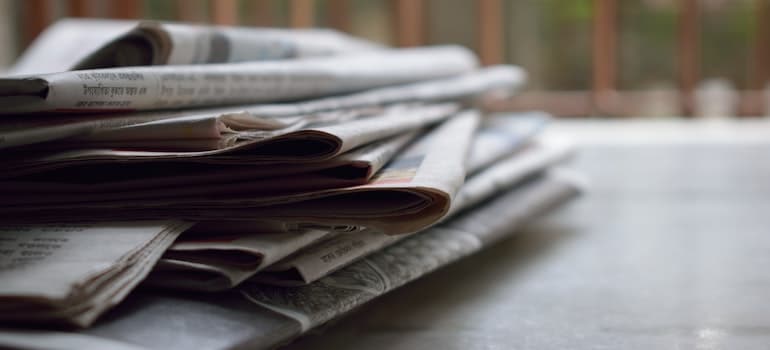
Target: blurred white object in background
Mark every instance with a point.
(766, 100)
(716, 98)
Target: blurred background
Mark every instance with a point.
(613, 58)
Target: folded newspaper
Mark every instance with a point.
(409, 193)
(318, 141)
(318, 260)
(220, 255)
(71, 274)
(164, 43)
(223, 122)
(84, 43)
(72, 39)
(311, 172)
(498, 161)
(51, 176)
(263, 317)
(330, 297)
(186, 86)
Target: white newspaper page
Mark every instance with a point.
(415, 256)
(87, 43)
(537, 156)
(319, 260)
(176, 125)
(22, 130)
(502, 134)
(170, 87)
(315, 142)
(162, 43)
(212, 261)
(71, 39)
(71, 273)
(502, 80)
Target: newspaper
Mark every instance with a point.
(185, 86)
(409, 193)
(86, 43)
(355, 167)
(415, 256)
(502, 134)
(72, 273)
(207, 262)
(319, 260)
(500, 139)
(315, 142)
(53, 340)
(156, 320)
(219, 255)
(23, 130)
(359, 148)
(71, 39)
(162, 43)
(212, 123)
(214, 262)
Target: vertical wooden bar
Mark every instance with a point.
(688, 53)
(79, 8)
(189, 11)
(752, 102)
(409, 22)
(301, 13)
(35, 19)
(224, 12)
(126, 9)
(489, 22)
(604, 53)
(338, 14)
(262, 13)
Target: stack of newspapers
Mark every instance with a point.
(170, 185)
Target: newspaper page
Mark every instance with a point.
(54, 340)
(71, 39)
(502, 134)
(319, 260)
(72, 273)
(87, 43)
(219, 255)
(500, 138)
(355, 167)
(497, 81)
(352, 286)
(152, 319)
(318, 141)
(168, 43)
(209, 123)
(362, 147)
(170, 87)
(212, 262)
(228, 320)
(178, 125)
(409, 193)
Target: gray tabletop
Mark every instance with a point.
(669, 249)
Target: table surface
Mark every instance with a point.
(668, 249)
